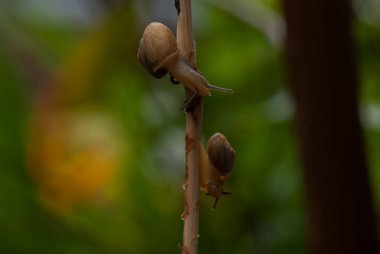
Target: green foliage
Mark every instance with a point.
(132, 202)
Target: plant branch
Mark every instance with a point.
(185, 42)
(185, 37)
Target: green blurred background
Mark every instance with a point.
(92, 147)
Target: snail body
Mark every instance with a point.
(159, 54)
(216, 165)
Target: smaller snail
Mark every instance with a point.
(215, 166)
(159, 54)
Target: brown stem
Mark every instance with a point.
(185, 37)
(191, 207)
(185, 41)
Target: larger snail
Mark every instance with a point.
(216, 166)
(159, 54)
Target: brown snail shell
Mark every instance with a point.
(221, 153)
(157, 47)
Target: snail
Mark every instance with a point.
(159, 54)
(215, 166)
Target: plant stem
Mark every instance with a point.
(185, 41)
(191, 206)
(185, 37)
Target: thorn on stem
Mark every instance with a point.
(177, 6)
